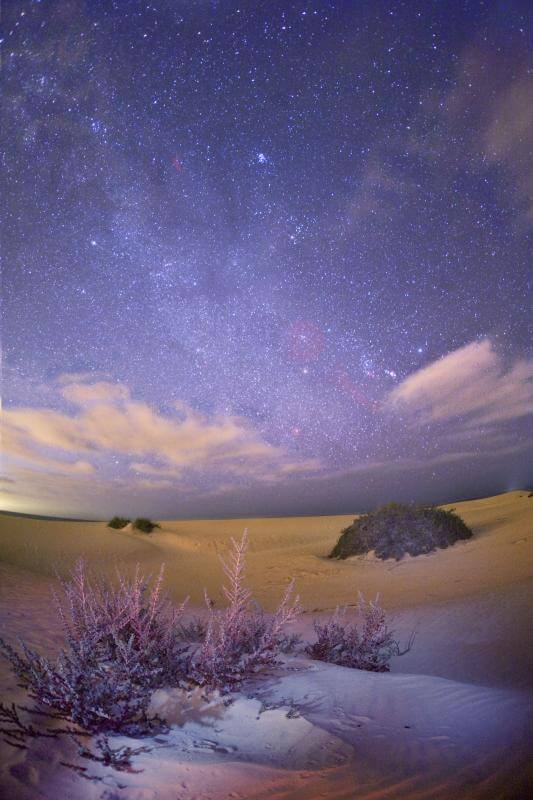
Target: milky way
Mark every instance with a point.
(276, 214)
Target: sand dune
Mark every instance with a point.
(449, 721)
(280, 548)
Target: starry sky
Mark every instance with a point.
(265, 257)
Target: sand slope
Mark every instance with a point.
(500, 554)
(450, 721)
(380, 736)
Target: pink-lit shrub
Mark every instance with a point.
(121, 641)
(240, 639)
(124, 638)
(368, 645)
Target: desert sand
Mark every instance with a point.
(451, 719)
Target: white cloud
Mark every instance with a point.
(471, 384)
(107, 421)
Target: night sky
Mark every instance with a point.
(267, 257)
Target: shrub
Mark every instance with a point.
(121, 641)
(369, 647)
(145, 525)
(241, 639)
(192, 631)
(395, 529)
(118, 522)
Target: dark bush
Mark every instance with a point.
(118, 522)
(395, 529)
(145, 525)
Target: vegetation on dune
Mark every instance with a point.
(145, 525)
(363, 642)
(396, 529)
(123, 638)
(140, 524)
(118, 522)
(240, 640)
(121, 641)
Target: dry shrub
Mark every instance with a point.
(124, 638)
(368, 645)
(241, 639)
(121, 641)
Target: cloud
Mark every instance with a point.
(53, 492)
(150, 469)
(100, 448)
(379, 190)
(471, 384)
(81, 377)
(508, 136)
(147, 483)
(84, 394)
(107, 421)
(17, 445)
(492, 104)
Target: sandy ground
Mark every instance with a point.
(451, 720)
(280, 548)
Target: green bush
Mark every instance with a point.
(145, 525)
(118, 522)
(396, 529)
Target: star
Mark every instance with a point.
(212, 212)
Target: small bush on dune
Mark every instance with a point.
(369, 645)
(240, 640)
(140, 524)
(122, 641)
(395, 529)
(145, 525)
(118, 523)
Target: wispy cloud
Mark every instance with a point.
(484, 121)
(18, 445)
(107, 421)
(106, 449)
(471, 384)
(508, 136)
(487, 115)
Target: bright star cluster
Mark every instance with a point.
(277, 212)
